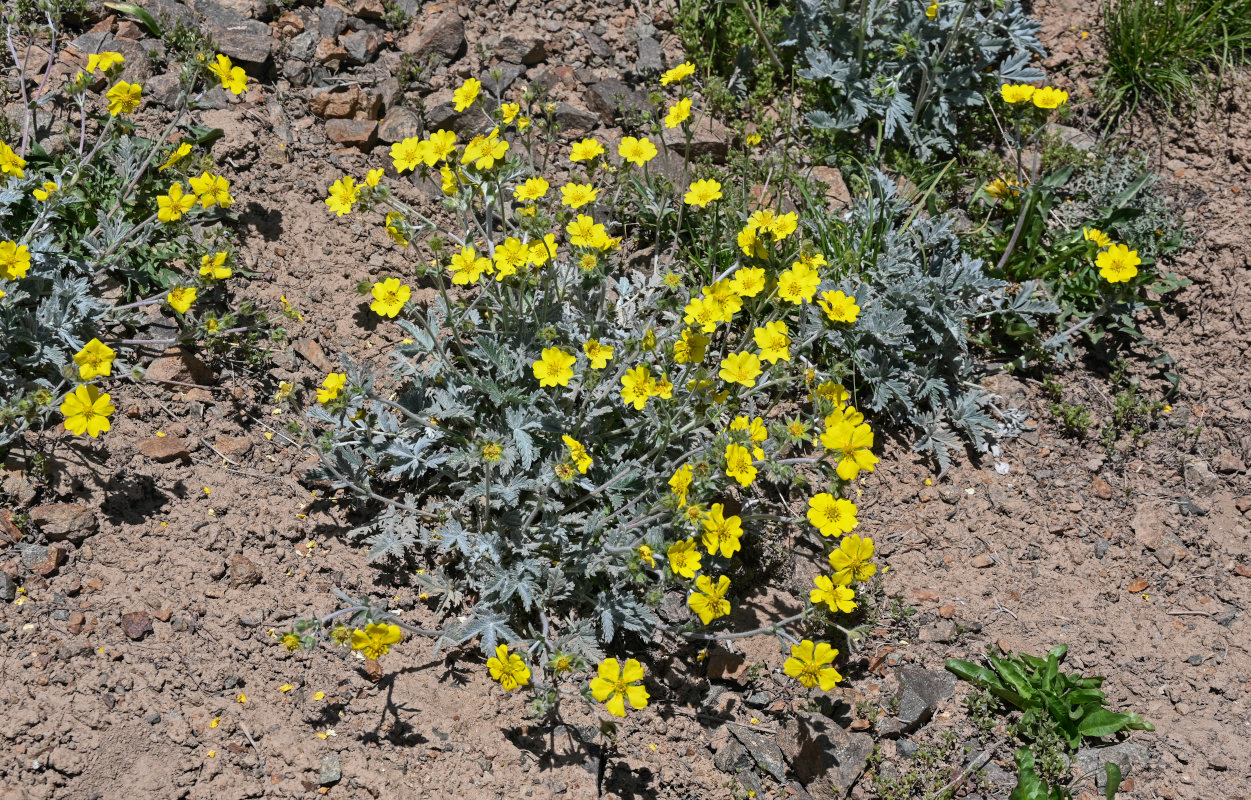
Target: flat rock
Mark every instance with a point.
(520, 47)
(920, 693)
(651, 59)
(169, 14)
(163, 449)
(1125, 755)
(361, 46)
(331, 772)
(60, 522)
(709, 139)
(244, 572)
(246, 41)
(442, 36)
(8, 589)
(233, 446)
(763, 750)
(311, 351)
(573, 120)
(179, 366)
(358, 133)
(137, 624)
(611, 98)
(837, 195)
(399, 124)
(826, 759)
(335, 102)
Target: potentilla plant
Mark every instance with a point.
(98, 206)
(576, 433)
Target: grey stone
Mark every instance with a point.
(942, 631)
(302, 46)
(651, 58)
(331, 21)
(1101, 547)
(574, 120)
(90, 43)
(920, 693)
(521, 47)
(247, 41)
(162, 90)
(1199, 475)
(509, 73)
(732, 757)
(1124, 754)
(442, 36)
(361, 46)
(169, 14)
(709, 139)
(1077, 139)
(330, 770)
(399, 124)
(826, 759)
(598, 46)
(8, 589)
(33, 555)
(763, 750)
(610, 98)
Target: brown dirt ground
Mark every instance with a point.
(1140, 563)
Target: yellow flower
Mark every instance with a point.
(636, 385)
(839, 307)
(180, 298)
(216, 721)
(702, 193)
(1016, 92)
(679, 112)
(406, 154)
(636, 151)
(832, 515)
(394, 230)
(586, 150)
(1118, 263)
(554, 368)
(774, 342)
(389, 297)
(105, 61)
(14, 260)
(576, 195)
(680, 483)
(214, 190)
(533, 189)
(748, 281)
(492, 452)
(319, 696)
(588, 262)
(721, 533)
(376, 639)
(784, 225)
(450, 179)
(578, 453)
(646, 554)
(838, 597)
(508, 669)
(741, 368)
(465, 96)
(798, 284)
(751, 243)
(543, 250)
(10, 162)
(690, 348)
(439, 146)
(616, 684)
(852, 443)
(513, 253)
(809, 664)
(1097, 236)
(752, 139)
(467, 266)
(343, 193)
(931, 11)
(584, 231)
(1002, 188)
(96, 358)
(836, 393)
(373, 177)
(738, 464)
(678, 74)
(234, 79)
(291, 642)
(171, 207)
(330, 387)
(214, 266)
(44, 191)
(709, 601)
(484, 151)
(850, 561)
(754, 427)
(684, 557)
(509, 112)
(177, 154)
(124, 97)
(600, 354)
(1049, 97)
(87, 411)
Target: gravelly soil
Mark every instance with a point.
(1141, 562)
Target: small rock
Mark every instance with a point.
(1125, 755)
(709, 138)
(137, 624)
(163, 89)
(442, 36)
(1101, 547)
(920, 692)
(525, 47)
(179, 366)
(75, 623)
(764, 751)
(361, 46)
(611, 98)
(508, 74)
(982, 561)
(18, 488)
(1102, 488)
(33, 554)
(243, 572)
(368, 9)
(335, 102)
(162, 449)
(330, 770)
(826, 759)
(1228, 463)
(358, 133)
(1199, 476)
(61, 522)
(311, 351)
(651, 58)
(732, 757)
(54, 557)
(399, 124)
(233, 446)
(247, 42)
(942, 631)
(330, 53)
(573, 120)
(8, 589)
(837, 195)
(726, 666)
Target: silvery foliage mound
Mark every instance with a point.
(885, 61)
(923, 296)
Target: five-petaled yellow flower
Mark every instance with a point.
(1097, 236)
(636, 151)
(389, 297)
(738, 464)
(850, 561)
(852, 443)
(330, 387)
(798, 284)
(576, 195)
(87, 411)
(702, 193)
(467, 266)
(600, 354)
(680, 483)
(96, 358)
(14, 260)
(838, 597)
(578, 454)
(617, 684)
(124, 97)
(172, 206)
(1017, 92)
(214, 190)
(721, 533)
(684, 558)
(774, 341)
(533, 189)
(1050, 97)
(554, 368)
(586, 150)
(105, 61)
(407, 154)
(1118, 263)
(465, 96)
(636, 386)
(177, 154)
(679, 112)
(831, 515)
(708, 601)
(741, 368)
(343, 193)
(376, 640)
(233, 78)
(10, 162)
(678, 74)
(180, 298)
(810, 665)
(214, 266)
(508, 669)
(839, 307)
